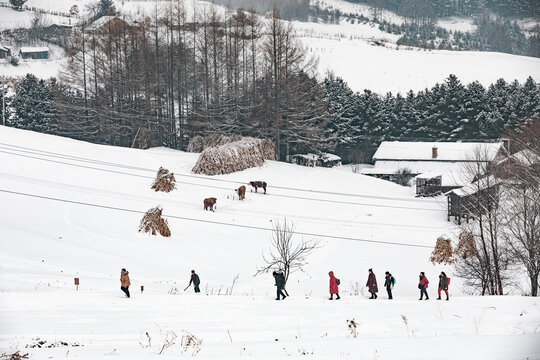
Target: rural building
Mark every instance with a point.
(439, 164)
(107, 23)
(4, 52)
(34, 52)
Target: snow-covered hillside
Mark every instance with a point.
(71, 209)
(348, 50)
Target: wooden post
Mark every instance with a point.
(77, 283)
(142, 288)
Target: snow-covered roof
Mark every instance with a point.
(446, 151)
(309, 156)
(428, 175)
(35, 49)
(102, 21)
(524, 157)
(476, 186)
(330, 157)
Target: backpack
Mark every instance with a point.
(393, 280)
(338, 281)
(448, 279)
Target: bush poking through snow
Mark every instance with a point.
(191, 342)
(234, 156)
(443, 253)
(164, 181)
(15, 356)
(353, 327)
(153, 223)
(466, 246)
(168, 339)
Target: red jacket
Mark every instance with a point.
(333, 283)
(424, 282)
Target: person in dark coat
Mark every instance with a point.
(372, 284)
(422, 285)
(280, 284)
(124, 280)
(333, 286)
(195, 280)
(389, 282)
(443, 285)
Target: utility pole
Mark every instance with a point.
(3, 105)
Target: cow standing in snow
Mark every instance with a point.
(258, 184)
(209, 203)
(241, 191)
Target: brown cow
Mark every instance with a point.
(241, 191)
(209, 203)
(258, 184)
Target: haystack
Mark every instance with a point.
(153, 223)
(443, 252)
(235, 156)
(199, 143)
(164, 181)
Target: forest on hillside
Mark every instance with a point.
(164, 79)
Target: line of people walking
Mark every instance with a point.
(281, 292)
(389, 282)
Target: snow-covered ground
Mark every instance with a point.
(51, 234)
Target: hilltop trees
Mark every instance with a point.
(17, 4)
(447, 111)
(33, 106)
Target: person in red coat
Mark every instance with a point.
(372, 284)
(422, 285)
(333, 286)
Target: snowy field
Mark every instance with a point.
(71, 209)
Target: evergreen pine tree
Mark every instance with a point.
(33, 106)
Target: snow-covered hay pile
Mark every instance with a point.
(164, 181)
(153, 223)
(199, 143)
(235, 156)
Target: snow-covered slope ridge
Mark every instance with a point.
(71, 209)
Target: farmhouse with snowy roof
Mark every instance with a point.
(4, 52)
(106, 23)
(437, 166)
(34, 52)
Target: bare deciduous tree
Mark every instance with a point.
(286, 254)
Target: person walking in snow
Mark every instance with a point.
(422, 285)
(334, 282)
(195, 280)
(280, 284)
(124, 280)
(372, 284)
(443, 284)
(389, 282)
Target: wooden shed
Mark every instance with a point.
(34, 52)
(4, 52)
(428, 184)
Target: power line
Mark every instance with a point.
(70, 157)
(223, 188)
(109, 193)
(212, 221)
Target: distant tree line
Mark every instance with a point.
(162, 79)
(491, 34)
(449, 111)
(446, 8)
